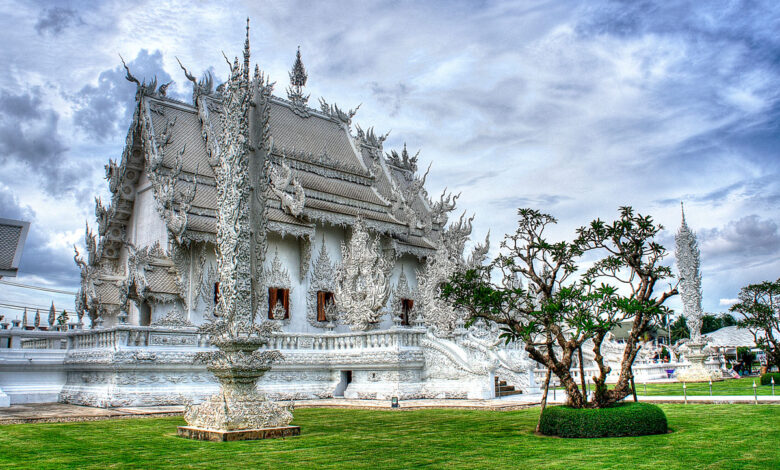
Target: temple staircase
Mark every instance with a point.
(503, 389)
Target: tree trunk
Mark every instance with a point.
(574, 398)
(544, 399)
(599, 398)
(561, 369)
(582, 374)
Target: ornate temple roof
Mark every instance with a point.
(320, 171)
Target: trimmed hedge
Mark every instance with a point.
(623, 419)
(766, 379)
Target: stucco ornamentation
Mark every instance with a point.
(323, 278)
(362, 286)
(241, 238)
(281, 177)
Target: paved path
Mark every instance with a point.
(59, 412)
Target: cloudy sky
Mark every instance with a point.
(574, 108)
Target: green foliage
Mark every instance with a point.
(527, 291)
(62, 319)
(622, 419)
(665, 354)
(748, 357)
(710, 323)
(759, 304)
(680, 329)
(766, 379)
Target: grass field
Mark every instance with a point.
(704, 436)
(735, 387)
(726, 387)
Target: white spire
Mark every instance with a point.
(687, 254)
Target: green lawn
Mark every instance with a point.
(742, 386)
(705, 436)
(726, 387)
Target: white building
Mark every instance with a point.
(356, 253)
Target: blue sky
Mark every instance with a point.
(574, 108)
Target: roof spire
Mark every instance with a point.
(298, 77)
(298, 74)
(682, 210)
(246, 52)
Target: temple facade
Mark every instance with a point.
(356, 252)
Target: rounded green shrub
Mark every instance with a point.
(766, 379)
(622, 419)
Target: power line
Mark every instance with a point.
(28, 286)
(18, 306)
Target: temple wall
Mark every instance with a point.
(146, 226)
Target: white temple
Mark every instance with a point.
(356, 251)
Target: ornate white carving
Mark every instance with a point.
(304, 249)
(441, 208)
(241, 248)
(295, 94)
(438, 268)
(277, 275)
(172, 200)
(336, 114)
(362, 286)
(403, 291)
(687, 255)
(403, 199)
(281, 176)
(175, 319)
(209, 278)
(141, 262)
(323, 278)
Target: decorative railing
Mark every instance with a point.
(127, 336)
(19, 338)
(401, 338)
(642, 371)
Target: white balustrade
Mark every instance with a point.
(128, 336)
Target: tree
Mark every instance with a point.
(759, 304)
(62, 319)
(711, 322)
(556, 314)
(680, 329)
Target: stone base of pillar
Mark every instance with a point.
(215, 435)
(697, 371)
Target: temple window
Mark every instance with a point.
(216, 293)
(324, 299)
(406, 309)
(280, 296)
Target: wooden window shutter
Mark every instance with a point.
(320, 306)
(272, 293)
(286, 302)
(406, 308)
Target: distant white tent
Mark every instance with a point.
(731, 337)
